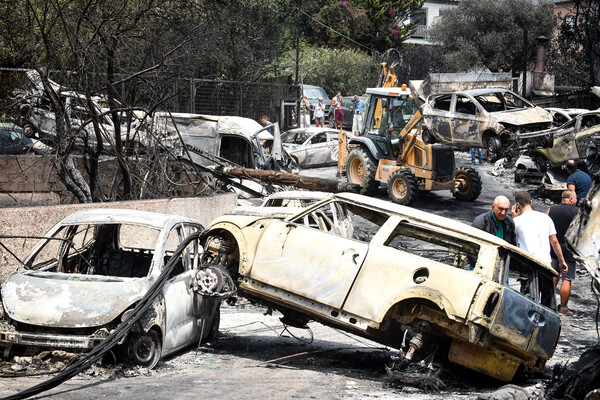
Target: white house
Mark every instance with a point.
(429, 14)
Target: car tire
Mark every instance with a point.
(361, 169)
(493, 148)
(427, 136)
(144, 349)
(471, 185)
(403, 187)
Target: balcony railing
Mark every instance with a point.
(420, 32)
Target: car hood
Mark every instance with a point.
(532, 115)
(69, 301)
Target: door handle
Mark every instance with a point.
(354, 257)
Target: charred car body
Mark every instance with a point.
(401, 275)
(312, 147)
(81, 281)
(492, 119)
(568, 142)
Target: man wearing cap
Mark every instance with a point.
(359, 111)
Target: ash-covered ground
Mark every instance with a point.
(256, 358)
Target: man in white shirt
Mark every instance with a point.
(535, 231)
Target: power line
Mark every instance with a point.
(336, 32)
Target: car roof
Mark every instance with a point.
(388, 91)
(439, 221)
(116, 215)
(311, 130)
(300, 195)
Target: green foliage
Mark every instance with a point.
(489, 33)
(350, 71)
(375, 24)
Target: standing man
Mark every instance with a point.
(359, 113)
(304, 112)
(497, 221)
(562, 215)
(478, 151)
(319, 114)
(578, 180)
(535, 231)
(338, 117)
(264, 121)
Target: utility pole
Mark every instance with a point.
(298, 41)
(525, 62)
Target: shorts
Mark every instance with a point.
(339, 115)
(320, 119)
(570, 275)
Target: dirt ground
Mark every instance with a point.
(256, 358)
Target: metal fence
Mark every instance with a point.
(278, 99)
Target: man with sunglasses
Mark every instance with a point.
(497, 221)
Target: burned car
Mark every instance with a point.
(312, 147)
(403, 276)
(240, 140)
(489, 118)
(87, 274)
(568, 142)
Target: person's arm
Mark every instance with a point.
(558, 251)
(570, 186)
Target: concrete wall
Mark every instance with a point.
(36, 221)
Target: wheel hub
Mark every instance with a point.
(400, 188)
(141, 349)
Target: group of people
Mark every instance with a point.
(542, 235)
(337, 102)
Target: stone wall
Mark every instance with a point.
(36, 221)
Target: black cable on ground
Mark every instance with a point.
(115, 337)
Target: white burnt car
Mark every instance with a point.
(87, 274)
(402, 276)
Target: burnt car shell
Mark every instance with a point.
(73, 294)
(372, 285)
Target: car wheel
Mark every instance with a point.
(403, 187)
(427, 136)
(493, 148)
(469, 185)
(144, 349)
(361, 169)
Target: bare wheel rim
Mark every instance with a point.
(356, 170)
(400, 189)
(142, 349)
(465, 183)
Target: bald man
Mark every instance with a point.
(497, 221)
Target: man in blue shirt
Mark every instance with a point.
(578, 181)
(359, 111)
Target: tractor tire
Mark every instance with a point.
(361, 169)
(472, 185)
(403, 187)
(427, 136)
(493, 148)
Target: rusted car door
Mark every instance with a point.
(524, 317)
(439, 117)
(308, 261)
(466, 121)
(180, 311)
(317, 150)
